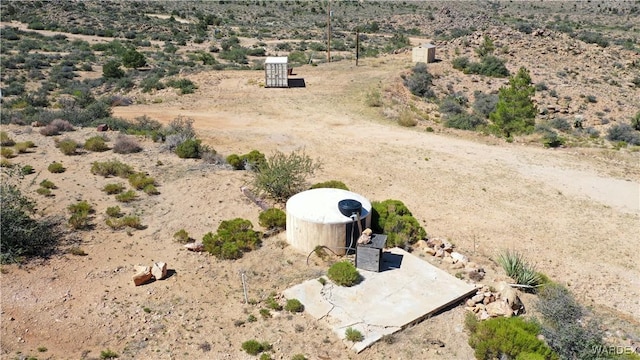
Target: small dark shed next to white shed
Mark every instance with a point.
(275, 71)
(425, 53)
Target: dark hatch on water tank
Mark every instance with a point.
(349, 207)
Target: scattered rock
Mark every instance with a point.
(102, 127)
(143, 274)
(195, 246)
(159, 270)
(430, 251)
(499, 308)
(477, 298)
(459, 257)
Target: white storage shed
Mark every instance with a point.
(425, 53)
(275, 71)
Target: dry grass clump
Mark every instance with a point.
(126, 145)
(67, 146)
(56, 127)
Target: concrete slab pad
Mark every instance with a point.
(407, 291)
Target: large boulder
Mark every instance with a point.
(159, 270)
(143, 274)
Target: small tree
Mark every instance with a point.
(133, 59)
(486, 48)
(515, 112)
(111, 70)
(283, 176)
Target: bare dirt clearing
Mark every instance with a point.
(574, 212)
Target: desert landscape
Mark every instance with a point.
(573, 210)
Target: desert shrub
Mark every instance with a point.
(112, 70)
(407, 119)
(298, 357)
(4, 163)
(623, 132)
(27, 170)
(178, 131)
(518, 268)
(283, 176)
(253, 347)
(253, 160)
(344, 273)
(273, 304)
(114, 211)
(79, 214)
(265, 313)
(232, 238)
(419, 81)
(130, 221)
(49, 131)
(460, 63)
(502, 337)
(113, 188)
(96, 143)
(374, 98)
(133, 59)
(635, 121)
(272, 219)
(127, 196)
(332, 184)
(489, 65)
(484, 104)
(108, 354)
(62, 125)
(23, 147)
(189, 149)
(451, 105)
(353, 335)
(24, 237)
(44, 191)
(186, 86)
(140, 180)
(56, 168)
(47, 184)
(235, 162)
(294, 305)
(565, 326)
(7, 153)
(560, 123)
(182, 236)
(68, 146)
(393, 218)
(5, 139)
(464, 121)
(593, 38)
(111, 168)
(126, 145)
(551, 139)
(150, 189)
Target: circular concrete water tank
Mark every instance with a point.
(314, 218)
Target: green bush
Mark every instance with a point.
(68, 146)
(111, 168)
(186, 86)
(419, 81)
(5, 139)
(254, 160)
(108, 354)
(552, 139)
(298, 357)
(484, 104)
(182, 236)
(344, 273)
(131, 221)
(7, 153)
(294, 305)
(113, 189)
(189, 149)
(22, 236)
(23, 147)
(27, 170)
(140, 180)
(464, 121)
(273, 304)
(254, 347)
(623, 132)
(96, 143)
(518, 268)
(114, 211)
(565, 324)
(283, 176)
(47, 184)
(80, 214)
(393, 218)
(511, 337)
(235, 162)
(150, 189)
(127, 196)
(331, 184)
(112, 70)
(273, 219)
(489, 65)
(133, 59)
(353, 335)
(232, 238)
(44, 191)
(56, 168)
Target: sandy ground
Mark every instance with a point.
(575, 213)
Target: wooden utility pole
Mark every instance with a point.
(329, 32)
(357, 44)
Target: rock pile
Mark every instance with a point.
(502, 302)
(143, 274)
(444, 250)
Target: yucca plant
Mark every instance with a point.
(519, 269)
